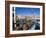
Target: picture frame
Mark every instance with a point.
(8, 18)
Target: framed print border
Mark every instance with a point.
(7, 18)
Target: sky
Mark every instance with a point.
(22, 11)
